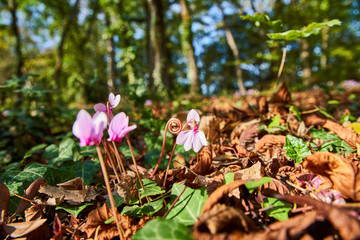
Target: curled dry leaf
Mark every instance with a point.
(222, 219)
(220, 192)
(313, 120)
(253, 172)
(30, 193)
(282, 95)
(346, 225)
(204, 165)
(22, 228)
(269, 141)
(33, 213)
(73, 184)
(277, 186)
(97, 217)
(210, 126)
(4, 201)
(343, 173)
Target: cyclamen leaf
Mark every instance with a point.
(252, 185)
(86, 170)
(33, 150)
(189, 205)
(117, 199)
(229, 177)
(147, 209)
(150, 188)
(162, 229)
(74, 210)
(296, 148)
(278, 209)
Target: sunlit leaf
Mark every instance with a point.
(74, 210)
(278, 209)
(252, 185)
(296, 148)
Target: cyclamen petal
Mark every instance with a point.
(196, 143)
(202, 138)
(193, 115)
(100, 107)
(118, 127)
(114, 100)
(100, 121)
(189, 141)
(181, 138)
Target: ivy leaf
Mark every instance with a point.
(189, 205)
(35, 170)
(278, 209)
(74, 210)
(117, 199)
(126, 151)
(65, 149)
(296, 148)
(150, 188)
(147, 209)
(51, 151)
(252, 185)
(162, 229)
(86, 170)
(33, 150)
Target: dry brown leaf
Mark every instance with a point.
(347, 225)
(223, 219)
(219, 193)
(313, 120)
(344, 174)
(269, 141)
(210, 126)
(282, 96)
(30, 193)
(72, 196)
(127, 187)
(4, 201)
(345, 133)
(97, 217)
(253, 172)
(33, 213)
(73, 184)
(277, 186)
(22, 228)
(204, 166)
(262, 105)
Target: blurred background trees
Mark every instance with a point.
(81, 49)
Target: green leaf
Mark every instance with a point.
(65, 149)
(118, 201)
(275, 122)
(189, 206)
(147, 209)
(150, 188)
(35, 170)
(86, 170)
(126, 151)
(163, 229)
(311, 29)
(335, 102)
(279, 209)
(51, 151)
(296, 148)
(33, 150)
(229, 177)
(252, 185)
(74, 210)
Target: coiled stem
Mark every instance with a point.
(174, 125)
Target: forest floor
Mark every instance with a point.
(278, 166)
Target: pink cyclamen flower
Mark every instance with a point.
(89, 129)
(113, 100)
(119, 127)
(193, 138)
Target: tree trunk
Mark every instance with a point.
(305, 59)
(149, 47)
(60, 48)
(324, 47)
(16, 32)
(111, 63)
(188, 48)
(158, 45)
(232, 44)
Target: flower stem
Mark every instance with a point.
(168, 166)
(111, 160)
(118, 158)
(136, 167)
(175, 128)
(108, 188)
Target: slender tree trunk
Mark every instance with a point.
(111, 63)
(16, 32)
(149, 47)
(324, 47)
(188, 48)
(232, 44)
(158, 45)
(305, 59)
(60, 48)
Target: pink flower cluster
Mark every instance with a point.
(90, 129)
